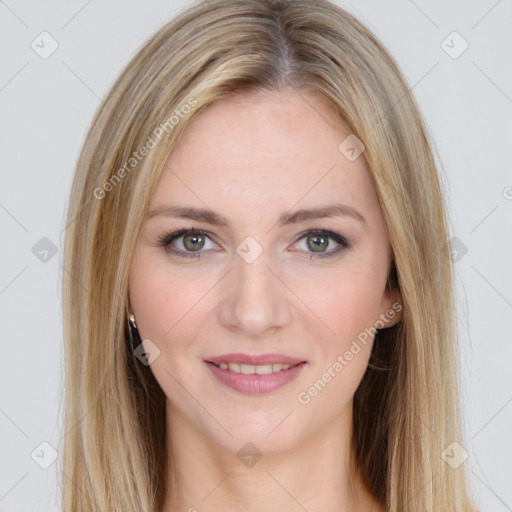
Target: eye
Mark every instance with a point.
(317, 242)
(189, 243)
(185, 242)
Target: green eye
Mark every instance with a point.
(193, 241)
(318, 241)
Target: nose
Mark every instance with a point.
(255, 301)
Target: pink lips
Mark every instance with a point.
(254, 384)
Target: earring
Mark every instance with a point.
(131, 320)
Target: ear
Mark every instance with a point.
(392, 302)
(391, 307)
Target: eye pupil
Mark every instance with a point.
(189, 241)
(322, 245)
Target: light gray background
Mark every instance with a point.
(47, 105)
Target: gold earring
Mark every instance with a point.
(131, 319)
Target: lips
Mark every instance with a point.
(255, 360)
(255, 374)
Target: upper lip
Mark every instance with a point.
(256, 360)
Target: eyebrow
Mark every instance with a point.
(210, 217)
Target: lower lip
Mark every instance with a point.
(254, 384)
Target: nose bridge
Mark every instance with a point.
(251, 266)
(255, 300)
(254, 277)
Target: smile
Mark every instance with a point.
(249, 369)
(255, 379)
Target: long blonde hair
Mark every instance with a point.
(406, 409)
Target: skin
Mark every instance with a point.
(250, 158)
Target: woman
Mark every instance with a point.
(258, 298)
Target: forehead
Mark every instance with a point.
(269, 126)
(264, 146)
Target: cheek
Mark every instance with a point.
(348, 303)
(161, 299)
(167, 308)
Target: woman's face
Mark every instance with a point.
(262, 175)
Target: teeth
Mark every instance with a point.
(248, 369)
(265, 369)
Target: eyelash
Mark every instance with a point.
(166, 240)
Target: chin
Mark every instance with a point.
(269, 432)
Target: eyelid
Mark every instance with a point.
(342, 242)
(169, 237)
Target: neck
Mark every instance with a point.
(314, 475)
